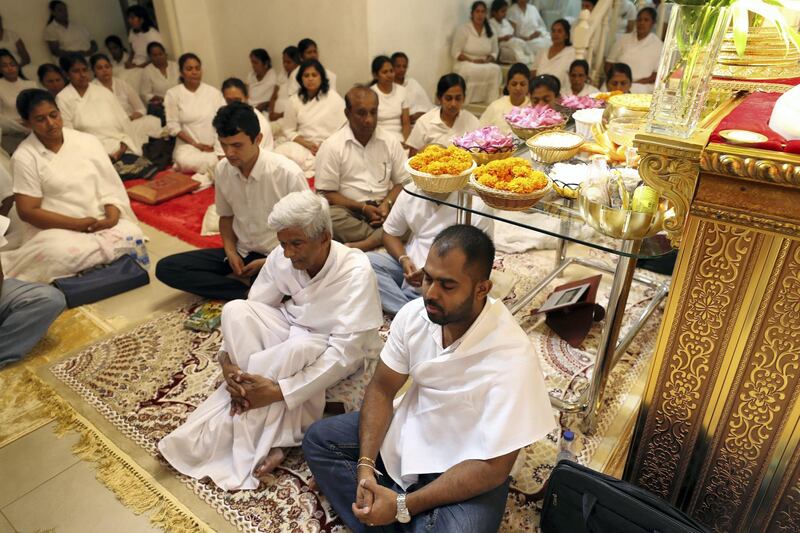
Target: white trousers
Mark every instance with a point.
(227, 448)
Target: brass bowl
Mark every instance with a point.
(627, 105)
(621, 223)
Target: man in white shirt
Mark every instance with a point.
(360, 170)
(250, 181)
(440, 458)
(311, 318)
(26, 311)
(399, 269)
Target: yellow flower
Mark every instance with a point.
(512, 174)
(438, 161)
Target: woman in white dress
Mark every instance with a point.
(190, 108)
(76, 211)
(10, 86)
(516, 95)
(290, 58)
(144, 125)
(557, 59)
(393, 107)
(308, 49)
(641, 51)
(447, 120)
(11, 41)
(578, 77)
(120, 60)
(143, 32)
(475, 50)
(157, 78)
(312, 115)
(545, 90)
(64, 36)
(95, 110)
(419, 102)
(262, 82)
(512, 48)
(51, 78)
(529, 26)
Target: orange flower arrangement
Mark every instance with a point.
(513, 174)
(437, 161)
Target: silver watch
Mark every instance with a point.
(402, 516)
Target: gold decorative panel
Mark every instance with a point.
(698, 333)
(763, 391)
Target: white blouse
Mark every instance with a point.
(467, 41)
(501, 29)
(126, 96)
(495, 113)
(315, 120)
(8, 102)
(586, 91)
(72, 38)
(154, 83)
(139, 42)
(260, 91)
(390, 108)
(642, 56)
(528, 22)
(193, 112)
(418, 99)
(557, 65)
(431, 129)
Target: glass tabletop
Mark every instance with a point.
(558, 217)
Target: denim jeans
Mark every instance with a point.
(394, 295)
(332, 450)
(26, 311)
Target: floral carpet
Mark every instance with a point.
(145, 383)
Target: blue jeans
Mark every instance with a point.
(332, 450)
(389, 272)
(26, 311)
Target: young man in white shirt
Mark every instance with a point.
(399, 269)
(26, 311)
(311, 318)
(441, 458)
(249, 182)
(360, 170)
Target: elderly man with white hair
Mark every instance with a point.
(310, 319)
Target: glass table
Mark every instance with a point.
(571, 228)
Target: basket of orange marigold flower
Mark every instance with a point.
(510, 184)
(438, 169)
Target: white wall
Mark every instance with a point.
(349, 33)
(29, 17)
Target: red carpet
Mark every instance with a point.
(181, 217)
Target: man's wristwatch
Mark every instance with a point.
(402, 516)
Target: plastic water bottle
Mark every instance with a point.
(129, 248)
(141, 254)
(567, 440)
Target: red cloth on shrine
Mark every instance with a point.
(753, 114)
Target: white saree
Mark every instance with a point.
(99, 113)
(300, 344)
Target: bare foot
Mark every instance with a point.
(312, 484)
(269, 463)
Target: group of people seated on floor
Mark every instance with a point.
(304, 301)
(518, 34)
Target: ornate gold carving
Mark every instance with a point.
(772, 167)
(787, 227)
(749, 86)
(787, 519)
(671, 167)
(763, 392)
(707, 303)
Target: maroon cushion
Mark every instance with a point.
(164, 187)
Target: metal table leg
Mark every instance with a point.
(623, 276)
(464, 202)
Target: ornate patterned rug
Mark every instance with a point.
(138, 386)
